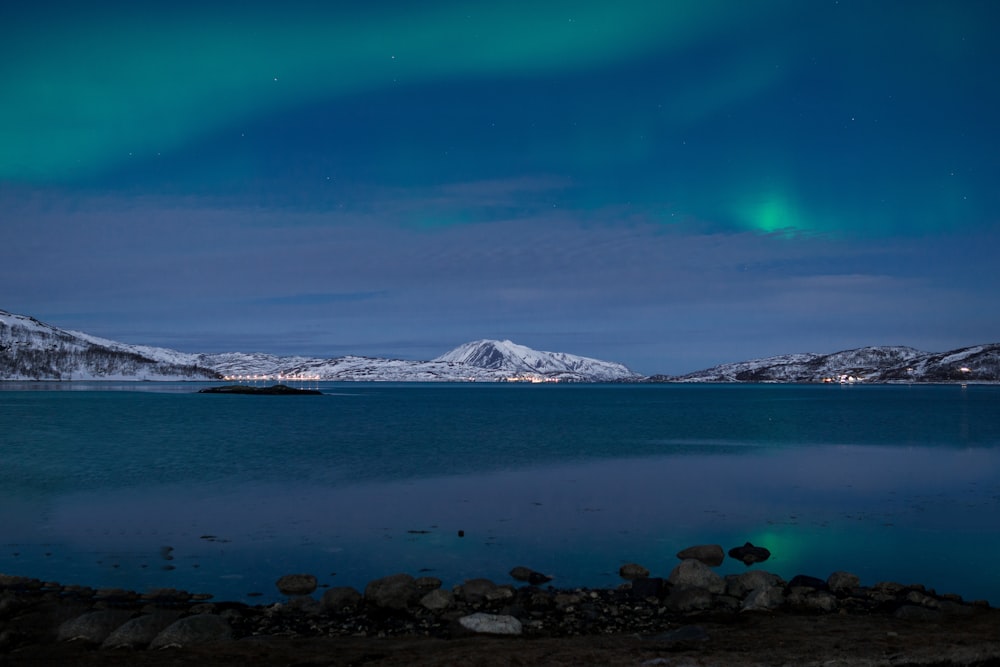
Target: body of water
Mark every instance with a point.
(149, 485)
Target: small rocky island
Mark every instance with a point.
(273, 390)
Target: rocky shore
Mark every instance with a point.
(692, 616)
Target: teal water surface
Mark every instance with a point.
(148, 485)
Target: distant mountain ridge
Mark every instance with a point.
(880, 364)
(33, 350)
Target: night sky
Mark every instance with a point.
(669, 184)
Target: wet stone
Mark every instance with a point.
(633, 571)
(341, 597)
(709, 554)
(296, 584)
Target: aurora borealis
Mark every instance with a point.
(666, 184)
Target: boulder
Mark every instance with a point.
(140, 631)
(296, 584)
(843, 582)
(476, 590)
(766, 598)
(491, 624)
(749, 554)
(684, 600)
(437, 600)
(526, 574)
(695, 574)
(647, 587)
(192, 630)
(821, 601)
(427, 583)
(93, 627)
(397, 591)
(341, 597)
(632, 571)
(500, 593)
(709, 554)
(741, 584)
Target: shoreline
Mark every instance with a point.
(693, 612)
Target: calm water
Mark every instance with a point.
(150, 485)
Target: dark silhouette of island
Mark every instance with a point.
(273, 390)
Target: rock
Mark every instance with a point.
(140, 631)
(437, 600)
(749, 554)
(922, 599)
(821, 601)
(647, 587)
(564, 601)
(764, 599)
(888, 587)
(632, 571)
(296, 584)
(427, 583)
(93, 627)
(303, 605)
(688, 599)
(397, 591)
(341, 597)
(695, 574)
(191, 630)
(844, 582)
(741, 584)
(500, 593)
(529, 576)
(709, 554)
(491, 624)
(475, 590)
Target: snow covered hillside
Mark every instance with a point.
(32, 350)
(980, 363)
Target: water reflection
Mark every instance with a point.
(919, 514)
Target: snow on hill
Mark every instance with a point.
(32, 350)
(526, 363)
(980, 363)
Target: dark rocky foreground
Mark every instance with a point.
(692, 617)
(273, 390)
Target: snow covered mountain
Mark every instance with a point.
(979, 363)
(523, 362)
(33, 350)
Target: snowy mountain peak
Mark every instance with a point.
(507, 356)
